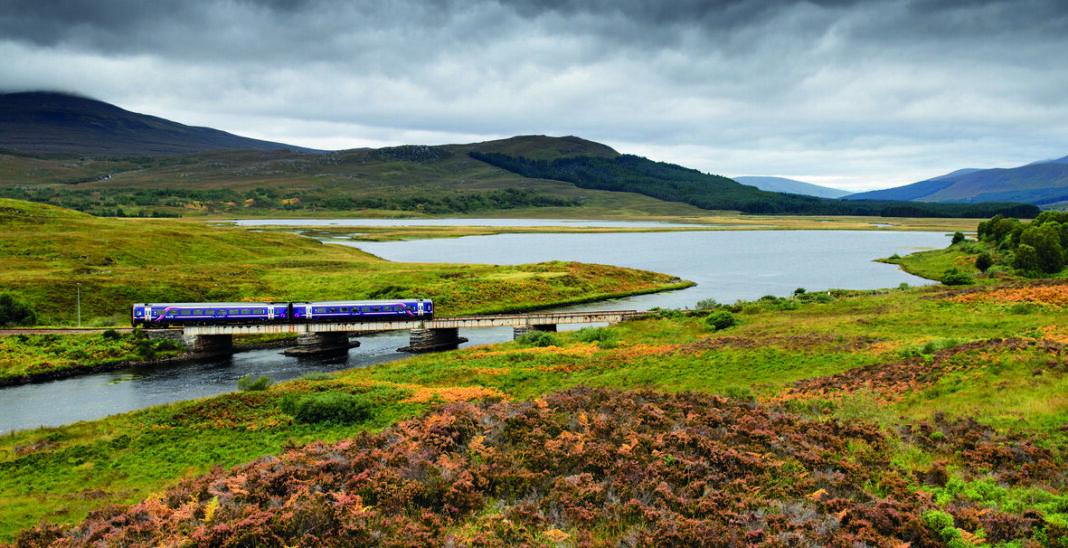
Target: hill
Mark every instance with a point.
(674, 183)
(57, 123)
(791, 186)
(137, 165)
(1042, 183)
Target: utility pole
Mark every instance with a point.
(79, 284)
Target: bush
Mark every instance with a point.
(707, 304)
(246, 384)
(956, 277)
(958, 237)
(327, 407)
(111, 334)
(15, 311)
(540, 339)
(721, 320)
(603, 336)
(984, 261)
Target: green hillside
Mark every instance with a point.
(45, 252)
(387, 181)
(529, 175)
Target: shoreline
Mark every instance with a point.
(82, 370)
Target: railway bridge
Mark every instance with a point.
(426, 335)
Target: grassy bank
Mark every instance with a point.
(59, 260)
(948, 400)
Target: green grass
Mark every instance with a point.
(62, 473)
(45, 252)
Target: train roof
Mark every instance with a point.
(208, 305)
(360, 302)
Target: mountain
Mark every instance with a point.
(59, 123)
(1043, 183)
(133, 164)
(790, 186)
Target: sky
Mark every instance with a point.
(855, 95)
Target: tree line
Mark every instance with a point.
(670, 182)
(1034, 249)
(120, 202)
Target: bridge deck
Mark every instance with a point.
(497, 320)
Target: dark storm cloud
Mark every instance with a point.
(831, 87)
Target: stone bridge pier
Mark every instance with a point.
(523, 330)
(431, 340)
(320, 343)
(209, 344)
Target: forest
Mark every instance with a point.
(664, 181)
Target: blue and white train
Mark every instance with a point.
(182, 314)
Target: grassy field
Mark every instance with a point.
(932, 416)
(903, 360)
(50, 255)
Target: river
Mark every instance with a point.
(726, 265)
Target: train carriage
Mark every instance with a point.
(184, 314)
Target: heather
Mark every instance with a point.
(929, 416)
(581, 467)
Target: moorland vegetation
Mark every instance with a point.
(931, 416)
(536, 175)
(56, 264)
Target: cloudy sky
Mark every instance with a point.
(852, 94)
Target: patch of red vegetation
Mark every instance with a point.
(894, 380)
(590, 467)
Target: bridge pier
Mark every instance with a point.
(430, 340)
(209, 344)
(320, 343)
(524, 329)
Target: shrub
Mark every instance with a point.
(540, 339)
(145, 349)
(707, 304)
(984, 261)
(246, 384)
(956, 277)
(1026, 260)
(15, 311)
(327, 407)
(958, 237)
(603, 336)
(720, 320)
(167, 344)
(111, 334)
(316, 376)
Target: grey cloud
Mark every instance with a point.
(728, 77)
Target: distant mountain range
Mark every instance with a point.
(135, 164)
(59, 123)
(1043, 183)
(791, 186)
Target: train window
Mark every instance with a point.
(220, 312)
(376, 309)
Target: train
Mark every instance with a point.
(157, 315)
